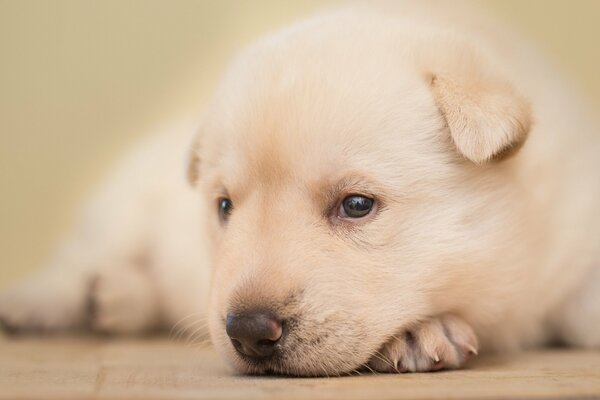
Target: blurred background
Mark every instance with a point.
(82, 80)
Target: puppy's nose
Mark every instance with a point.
(254, 334)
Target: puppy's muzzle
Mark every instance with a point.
(254, 334)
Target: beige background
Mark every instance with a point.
(82, 80)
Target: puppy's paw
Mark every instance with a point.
(43, 305)
(122, 301)
(446, 342)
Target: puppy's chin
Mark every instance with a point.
(302, 364)
(302, 355)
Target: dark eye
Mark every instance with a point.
(355, 206)
(225, 208)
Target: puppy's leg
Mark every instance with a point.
(577, 321)
(123, 300)
(53, 300)
(77, 293)
(100, 270)
(446, 342)
(57, 299)
(113, 229)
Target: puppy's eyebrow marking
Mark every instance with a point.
(332, 187)
(353, 185)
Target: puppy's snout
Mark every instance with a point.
(254, 334)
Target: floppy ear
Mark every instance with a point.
(487, 119)
(193, 162)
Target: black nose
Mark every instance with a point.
(254, 334)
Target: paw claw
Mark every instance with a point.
(472, 350)
(440, 343)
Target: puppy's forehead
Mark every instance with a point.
(289, 116)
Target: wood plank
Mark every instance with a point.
(80, 368)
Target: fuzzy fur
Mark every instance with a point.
(483, 163)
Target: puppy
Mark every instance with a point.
(391, 187)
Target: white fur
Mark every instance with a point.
(511, 246)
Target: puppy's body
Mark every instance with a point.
(136, 260)
(483, 164)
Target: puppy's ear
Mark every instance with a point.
(193, 162)
(488, 120)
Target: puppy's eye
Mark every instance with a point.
(355, 206)
(225, 208)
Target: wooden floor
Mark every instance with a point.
(159, 368)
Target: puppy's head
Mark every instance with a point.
(354, 185)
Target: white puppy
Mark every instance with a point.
(392, 186)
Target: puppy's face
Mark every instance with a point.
(341, 208)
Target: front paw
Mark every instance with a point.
(42, 305)
(446, 342)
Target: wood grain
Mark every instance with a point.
(84, 368)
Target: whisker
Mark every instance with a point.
(384, 359)
(371, 369)
(191, 329)
(203, 344)
(175, 327)
(198, 333)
